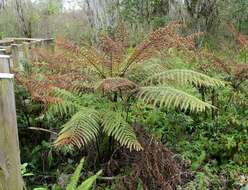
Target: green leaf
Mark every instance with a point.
(74, 179)
(140, 185)
(50, 158)
(82, 128)
(169, 97)
(183, 76)
(115, 125)
(88, 183)
(40, 188)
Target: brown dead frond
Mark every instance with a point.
(121, 35)
(163, 38)
(42, 88)
(155, 166)
(116, 85)
(214, 63)
(115, 53)
(72, 67)
(86, 54)
(242, 39)
(241, 71)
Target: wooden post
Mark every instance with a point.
(10, 174)
(21, 57)
(18, 56)
(26, 51)
(49, 44)
(15, 55)
(2, 51)
(33, 45)
(4, 63)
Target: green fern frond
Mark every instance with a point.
(74, 179)
(115, 125)
(88, 183)
(168, 97)
(61, 108)
(82, 129)
(64, 105)
(183, 76)
(144, 70)
(64, 94)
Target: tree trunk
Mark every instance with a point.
(10, 174)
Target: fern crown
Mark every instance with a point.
(114, 79)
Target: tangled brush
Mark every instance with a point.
(155, 166)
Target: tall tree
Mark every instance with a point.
(25, 22)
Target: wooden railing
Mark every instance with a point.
(21, 49)
(13, 51)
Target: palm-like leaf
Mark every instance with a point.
(169, 97)
(82, 128)
(115, 125)
(183, 76)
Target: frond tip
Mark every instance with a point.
(115, 125)
(183, 76)
(81, 129)
(168, 97)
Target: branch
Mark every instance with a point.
(41, 129)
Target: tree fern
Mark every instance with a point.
(112, 74)
(115, 125)
(183, 76)
(164, 96)
(82, 128)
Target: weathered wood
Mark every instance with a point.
(2, 51)
(21, 49)
(5, 63)
(20, 40)
(10, 174)
(5, 42)
(26, 51)
(15, 55)
(48, 44)
(6, 49)
(34, 45)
